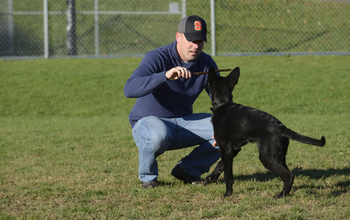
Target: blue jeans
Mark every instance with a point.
(154, 135)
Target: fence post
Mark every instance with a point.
(97, 34)
(46, 30)
(183, 8)
(10, 24)
(70, 28)
(213, 33)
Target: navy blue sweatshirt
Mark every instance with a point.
(159, 97)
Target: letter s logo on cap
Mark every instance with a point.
(197, 25)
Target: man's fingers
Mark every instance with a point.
(214, 144)
(182, 72)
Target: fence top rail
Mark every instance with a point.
(94, 12)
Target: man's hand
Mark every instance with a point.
(178, 72)
(214, 144)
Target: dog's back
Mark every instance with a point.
(252, 124)
(244, 124)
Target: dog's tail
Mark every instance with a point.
(304, 139)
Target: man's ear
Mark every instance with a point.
(233, 77)
(178, 36)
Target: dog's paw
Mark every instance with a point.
(281, 195)
(227, 194)
(211, 178)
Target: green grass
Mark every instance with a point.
(66, 148)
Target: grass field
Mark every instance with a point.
(66, 148)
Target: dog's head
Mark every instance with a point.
(221, 87)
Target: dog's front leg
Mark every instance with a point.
(227, 155)
(228, 179)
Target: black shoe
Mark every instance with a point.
(178, 173)
(149, 185)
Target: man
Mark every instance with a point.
(162, 117)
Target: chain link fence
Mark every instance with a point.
(282, 26)
(116, 28)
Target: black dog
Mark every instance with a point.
(236, 125)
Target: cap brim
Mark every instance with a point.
(195, 36)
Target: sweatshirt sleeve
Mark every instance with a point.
(148, 77)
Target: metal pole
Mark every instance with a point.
(213, 34)
(70, 28)
(10, 9)
(97, 39)
(183, 8)
(46, 30)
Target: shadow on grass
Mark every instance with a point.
(340, 187)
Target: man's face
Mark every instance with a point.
(188, 50)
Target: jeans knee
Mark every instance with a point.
(151, 133)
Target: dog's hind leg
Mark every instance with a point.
(213, 176)
(275, 161)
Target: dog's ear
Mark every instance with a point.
(212, 75)
(233, 77)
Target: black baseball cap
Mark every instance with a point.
(194, 28)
